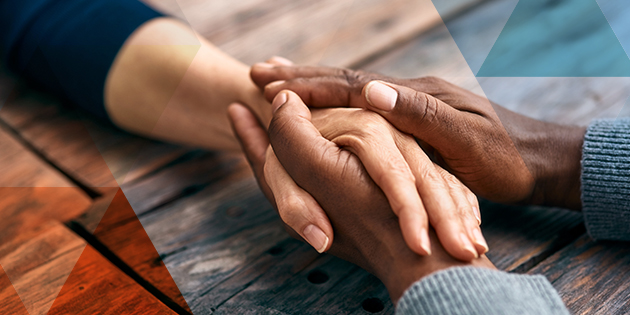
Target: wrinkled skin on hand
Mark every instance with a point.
(491, 166)
(419, 191)
(367, 231)
(500, 155)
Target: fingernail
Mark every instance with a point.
(264, 65)
(381, 96)
(278, 101)
(316, 237)
(468, 246)
(282, 61)
(425, 243)
(477, 214)
(480, 240)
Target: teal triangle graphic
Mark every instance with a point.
(475, 32)
(552, 38)
(617, 12)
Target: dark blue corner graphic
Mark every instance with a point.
(556, 38)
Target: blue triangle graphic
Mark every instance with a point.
(617, 12)
(475, 32)
(551, 38)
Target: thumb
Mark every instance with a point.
(254, 142)
(422, 115)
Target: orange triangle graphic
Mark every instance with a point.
(10, 302)
(124, 237)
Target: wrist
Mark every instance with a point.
(398, 267)
(553, 154)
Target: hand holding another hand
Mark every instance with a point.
(420, 192)
(367, 231)
(499, 154)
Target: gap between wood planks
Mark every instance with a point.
(103, 250)
(93, 194)
(89, 238)
(125, 268)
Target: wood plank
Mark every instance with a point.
(32, 195)
(359, 293)
(270, 270)
(565, 100)
(120, 231)
(591, 277)
(38, 261)
(50, 265)
(220, 223)
(32, 192)
(219, 231)
(187, 175)
(10, 301)
(330, 32)
(521, 237)
(96, 286)
(294, 295)
(94, 153)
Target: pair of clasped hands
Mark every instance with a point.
(377, 170)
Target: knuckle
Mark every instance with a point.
(444, 219)
(429, 111)
(354, 79)
(290, 208)
(280, 127)
(372, 122)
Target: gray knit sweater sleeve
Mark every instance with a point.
(472, 291)
(606, 179)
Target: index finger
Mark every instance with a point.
(265, 73)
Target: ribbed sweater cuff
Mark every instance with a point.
(470, 291)
(606, 179)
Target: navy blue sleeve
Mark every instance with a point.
(67, 46)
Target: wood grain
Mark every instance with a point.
(35, 252)
(10, 301)
(296, 293)
(591, 277)
(97, 286)
(269, 270)
(330, 32)
(32, 192)
(565, 100)
(219, 231)
(183, 177)
(95, 154)
(40, 258)
(118, 229)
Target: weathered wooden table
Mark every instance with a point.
(93, 219)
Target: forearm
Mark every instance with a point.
(552, 153)
(390, 259)
(169, 83)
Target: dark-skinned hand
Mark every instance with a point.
(367, 231)
(500, 155)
